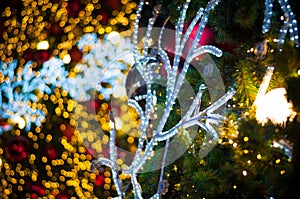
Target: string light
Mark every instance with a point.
(144, 63)
(289, 22)
(42, 45)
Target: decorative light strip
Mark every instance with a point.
(289, 23)
(145, 63)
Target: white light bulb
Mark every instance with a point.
(274, 106)
(42, 45)
(67, 59)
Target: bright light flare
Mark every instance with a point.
(274, 106)
(42, 45)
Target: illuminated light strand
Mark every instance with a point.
(178, 33)
(113, 156)
(145, 64)
(162, 168)
(289, 23)
(135, 30)
(265, 84)
(147, 43)
(189, 57)
(268, 15)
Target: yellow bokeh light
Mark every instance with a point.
(130, 140)
(259, 156)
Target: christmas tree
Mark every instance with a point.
(55, 124)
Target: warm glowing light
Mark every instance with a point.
(274, 106)
(19, 121)
(42, 45)
(246, 139)
(258, 156)
(67, 59)
(245, 173)
(276, 145)
(298, 71)
(114, 37)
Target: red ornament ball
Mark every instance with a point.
(208, 36)
(55, 29)
(92, 106)
(51, 153)
(35, 189)
(100, 180)
(41, 56)
(112, 4)
(76, 54)
(104, 16)
(62, 196)
(17, 148)
(74, 7)
(68, 131)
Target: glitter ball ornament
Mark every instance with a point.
(261, 49)
(163, 187)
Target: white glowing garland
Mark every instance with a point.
(289, 24)
(174, 83)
